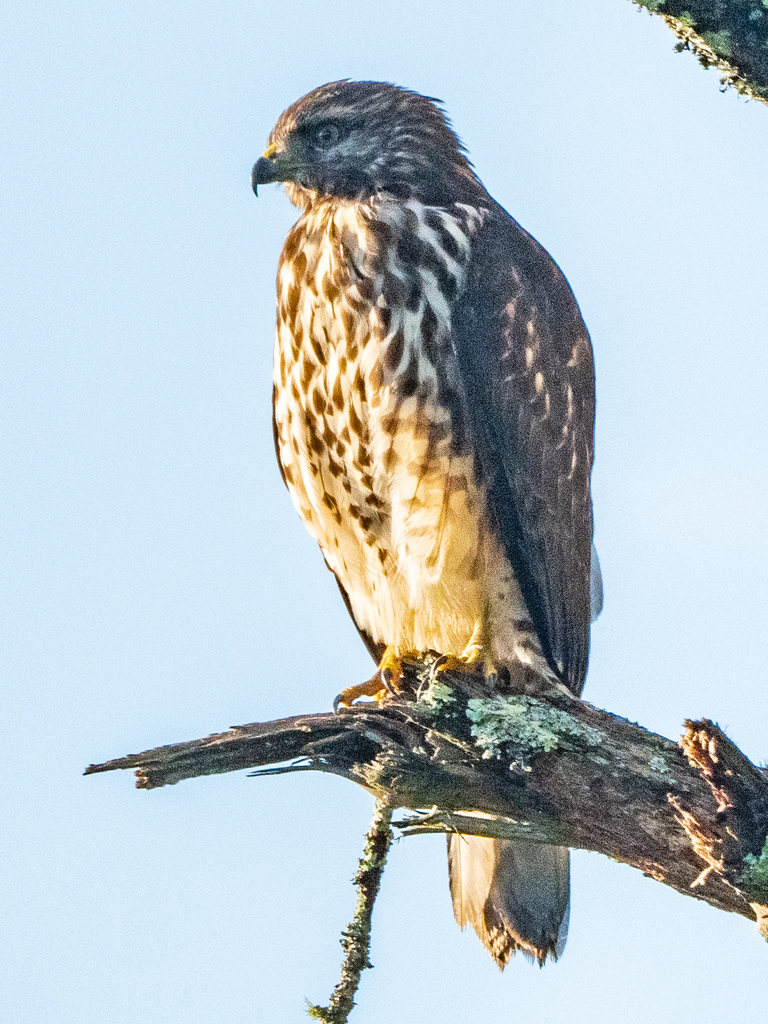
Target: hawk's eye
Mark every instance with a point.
(326, 135)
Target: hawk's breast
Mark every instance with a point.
(371, 424)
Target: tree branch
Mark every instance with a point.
(356, 940)
(731, 35)
(549, 768)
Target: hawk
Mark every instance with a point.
(434, 419)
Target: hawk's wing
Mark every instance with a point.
(526, 363)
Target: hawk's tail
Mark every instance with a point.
(514, 894)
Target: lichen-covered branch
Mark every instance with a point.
(356, 940)
(546, 767)
(731, 35)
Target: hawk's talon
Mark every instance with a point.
(370, 688)
(383, 683)
(391, 671)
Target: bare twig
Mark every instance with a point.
(356, 940)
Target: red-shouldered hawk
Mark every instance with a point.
(434, 417)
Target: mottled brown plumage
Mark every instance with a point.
(433, 412)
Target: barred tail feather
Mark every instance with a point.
(514, 894)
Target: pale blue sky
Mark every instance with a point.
(157, 584)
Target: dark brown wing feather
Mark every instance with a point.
(526, 362)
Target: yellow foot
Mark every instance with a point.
(385, 680)
(370, 688)
(474, 654)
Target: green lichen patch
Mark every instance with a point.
(518, 728)
(720, 42)
(756, 868)
(433, 694)
(436, 694)
(658, 764)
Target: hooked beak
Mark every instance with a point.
(267, 169)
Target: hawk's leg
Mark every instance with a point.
(386, 679)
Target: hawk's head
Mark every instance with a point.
(357, 140)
